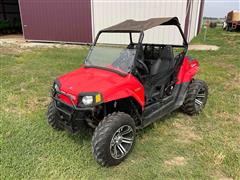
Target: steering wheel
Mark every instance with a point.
(143, 66)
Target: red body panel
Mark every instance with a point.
(111, 85)
(188, 69)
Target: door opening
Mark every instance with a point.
(10, 20)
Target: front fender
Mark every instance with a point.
(130, 88)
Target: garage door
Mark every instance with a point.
(57, 20)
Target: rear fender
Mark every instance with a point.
(188, 70)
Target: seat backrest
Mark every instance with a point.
(164, 63)
(155, 67)
(167, 55)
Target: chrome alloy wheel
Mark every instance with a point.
(200, 98)
(122, 142)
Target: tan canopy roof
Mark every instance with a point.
(138, 26)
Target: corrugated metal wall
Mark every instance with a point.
(57, 20)
(108, 12)
(117, 11)
(194, 17)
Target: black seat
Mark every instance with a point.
(161, 68)
(155, 67)
(160, 73)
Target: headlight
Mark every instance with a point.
(87, 100)
(56, 87)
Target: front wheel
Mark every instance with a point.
(196, 97)
(53, 117)
(113, 139)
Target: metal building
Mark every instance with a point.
(51, 20)
(78, 21)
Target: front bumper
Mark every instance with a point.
(70, 114)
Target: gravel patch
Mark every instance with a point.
(18, 41)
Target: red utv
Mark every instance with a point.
(120, 89)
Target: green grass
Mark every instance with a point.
(177, 147)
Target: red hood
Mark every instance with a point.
(89, 80)
(110, 84)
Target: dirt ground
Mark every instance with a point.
(202, 47)
(18, 41)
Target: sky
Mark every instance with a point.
(220, 8)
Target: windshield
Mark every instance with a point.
(117, 58)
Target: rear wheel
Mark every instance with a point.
(196, 97)
(53, 117)
(113, 139)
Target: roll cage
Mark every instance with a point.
(141, 26)
(132, 26)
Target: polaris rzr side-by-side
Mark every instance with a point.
(120, 89)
